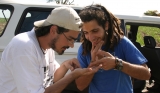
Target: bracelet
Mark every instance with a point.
(116, 62)
(119, 64)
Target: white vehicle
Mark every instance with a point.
(16, 17)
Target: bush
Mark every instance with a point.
(152, 13)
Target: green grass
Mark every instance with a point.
(147, 31)
(2, 24)
(2, 20)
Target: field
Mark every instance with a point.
(148, 31)
(2, 24)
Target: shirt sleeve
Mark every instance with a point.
(26, 74)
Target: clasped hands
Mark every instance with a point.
(100, 59)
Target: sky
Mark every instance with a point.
(131, 7)
(135, 7)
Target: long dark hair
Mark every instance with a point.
(42, 31)
(101, 15)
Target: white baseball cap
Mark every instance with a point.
(65, 17)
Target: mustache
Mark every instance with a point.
(66, 47)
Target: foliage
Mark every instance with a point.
(147, 31)
(152, 13)
(66, 2)
(2, 20)
(2, 24)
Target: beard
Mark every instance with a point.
(53, 46)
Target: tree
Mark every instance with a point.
(152, 13)
(66, 2)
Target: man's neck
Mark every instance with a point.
(43, 42)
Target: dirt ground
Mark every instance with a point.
(1, 27)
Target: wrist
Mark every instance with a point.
(118, 64)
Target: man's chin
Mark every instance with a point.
(60, 52)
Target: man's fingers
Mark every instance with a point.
(93, 46)
(98, 47)
(87, 69)
(99, 66)
(97, 63)
(75, 63)
(103, 54)
(71, 68)
(95, 49)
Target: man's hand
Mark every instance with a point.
(80, 71)
(95, 49)
(85, 71)
(105, 59)
(94, 69)
(72, 64)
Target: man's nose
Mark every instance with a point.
(71, 45)
(91, 37)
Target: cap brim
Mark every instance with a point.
(41, 23)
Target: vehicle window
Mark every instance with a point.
(30, 18)
(5, 14)
(140, 30)
(148, 31)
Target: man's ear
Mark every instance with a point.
(107, 26)
(53, 30)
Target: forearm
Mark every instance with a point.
(136, 71)
(83, 81)
(61, 84)
(60, 73)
